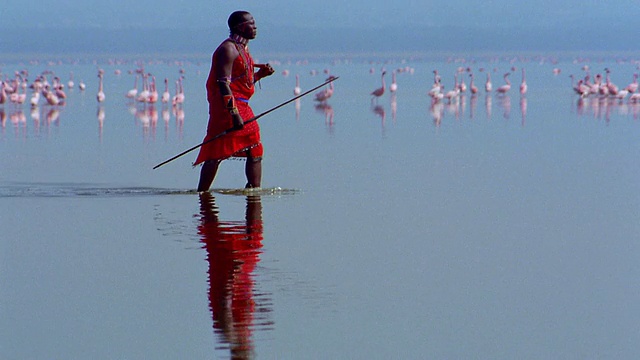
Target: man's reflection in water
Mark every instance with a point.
(233, 249)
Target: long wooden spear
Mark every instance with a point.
(332, 78)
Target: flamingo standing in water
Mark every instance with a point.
(633, 87)
(131, 94)
(153, 91)
(472, 87)
(455, 92)
(178, 98)
(487, 85)
(379, 91)
(143, 96)
(296, 89)
(613, 89)
(70, 84)
(3, 93)
(523, 84)
(324, 95)
(506, 87)
(394, 85)
(100, 96)
(166, 96)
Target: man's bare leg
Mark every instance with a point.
(207, 174)
(253, 170)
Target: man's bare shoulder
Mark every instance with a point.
(226, 47)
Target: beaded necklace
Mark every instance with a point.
(241, 44)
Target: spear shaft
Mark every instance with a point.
(247, 121)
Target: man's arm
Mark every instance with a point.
(224, 66)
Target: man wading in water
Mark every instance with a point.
(230, 85)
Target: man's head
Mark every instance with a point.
(243, 24)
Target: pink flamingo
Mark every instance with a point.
(633, 87)
(451, 94)
(3, 92)
(178, 98)
(394, 85)
(324, 95)
(296, 89)
(506, 87)
(100, 96)
(436, 88)
(379, 91)
(143, 96)
(462, 86)
(472, 87)
(613, 89)
(166, 96)
(523, 84)
(58, 88)
(487, 85)
(131, 94)
(153, 92)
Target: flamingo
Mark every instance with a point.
(178, 98)
(35, 98)
(100, 96)
(506, 87)
(131, 94)
(523, 84)
(462, 86)
(379, 91)
(612, 88)
(296, 89)
(58, 88)
(165, 95)
(633, 87)
(325, 94)
(153, 92)
(82, 85)
(50, 96)
(453, 94)
(472, 87)
(394, 85)
(436, 88)
(143, 96)
(70, 84)
(3, 92)
(487, 85)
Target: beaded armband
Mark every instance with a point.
(224, 80)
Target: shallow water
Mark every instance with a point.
(495, 227)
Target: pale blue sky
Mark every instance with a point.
(596, 15)
(327, 25)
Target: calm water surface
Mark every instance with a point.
(492, 227)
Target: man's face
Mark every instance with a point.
(247, 28)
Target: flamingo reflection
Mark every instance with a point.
(233, 249)
(327, 110)
(523, 109)
(379, 111)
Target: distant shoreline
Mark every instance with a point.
(382, 44)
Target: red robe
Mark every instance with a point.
(234, 143)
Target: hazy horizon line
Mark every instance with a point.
(326, 40)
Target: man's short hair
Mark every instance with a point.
(236, 18)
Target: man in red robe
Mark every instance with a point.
(230, 85)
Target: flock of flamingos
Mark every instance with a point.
(48, 89)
